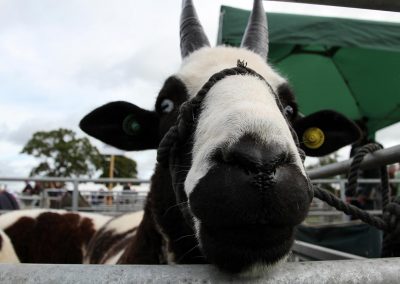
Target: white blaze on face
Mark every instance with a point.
(234, 106)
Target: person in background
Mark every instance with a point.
(28, 189)
(394, 173)
(100, 196)
(38, 188)
(7, 200)
(127, 186)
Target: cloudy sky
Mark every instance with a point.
(61, 59)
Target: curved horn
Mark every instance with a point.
(256, 35)
(192, 33)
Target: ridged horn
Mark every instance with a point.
(256, 35)
(191, 31)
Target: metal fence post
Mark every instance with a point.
(42, 199)
(75, 196)
(343, 197)
(342, 183)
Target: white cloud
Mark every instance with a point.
(12, 165)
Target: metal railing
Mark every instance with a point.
(327, 214)
(356, 270)
(344, 271)
(303, 251)
(115, 206)
(119, 198)
(106, 202)
(374, 160)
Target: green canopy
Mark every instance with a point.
(352, 66)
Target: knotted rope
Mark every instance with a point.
(354, 211)
(189, 111)
(390, 220)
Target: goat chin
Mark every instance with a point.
(260, 269)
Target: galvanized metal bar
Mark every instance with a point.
(121, 180)
(377, 159)
(102, 180)
(343, 197)
(338, 213)
(314, 252)
(343, 190)
(345, 271)
(75, 196)
(361, 180)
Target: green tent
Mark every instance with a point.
(352, 66)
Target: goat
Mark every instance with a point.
(48, 236)
(7, 252)
(230, 185)
(111, 240)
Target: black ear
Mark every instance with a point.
(324, 132)
(123, 125)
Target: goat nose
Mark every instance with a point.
(252, 155)
(255, 177)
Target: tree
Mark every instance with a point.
(62, 154)
(123, 167)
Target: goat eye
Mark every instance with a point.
(288, 111)
(167, 106)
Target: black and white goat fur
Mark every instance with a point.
(241, 187)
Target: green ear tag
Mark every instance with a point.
(130, 125)
(135, 126)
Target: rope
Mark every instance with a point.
(349, 209)
(354, 173)
(188, 111)
(390, 221)
(391, 240)
(352, 187)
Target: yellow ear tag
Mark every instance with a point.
(313, 138)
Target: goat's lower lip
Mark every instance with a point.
(236, 249)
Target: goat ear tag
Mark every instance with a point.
(130, 125)
(313, 138)
(324, 132)
(123, 125)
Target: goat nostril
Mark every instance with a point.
(226, 156)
